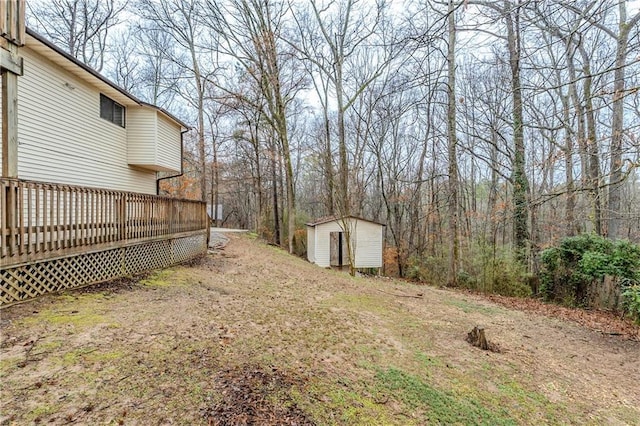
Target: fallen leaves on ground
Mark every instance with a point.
(251, 395)
(605, 322)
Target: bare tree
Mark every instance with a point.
(160, 74)
(330, 36)
(625, 26)
(81, 27)
(452, 145)
(251, 30)
(126, 71)
(510, 13)
(181, 19)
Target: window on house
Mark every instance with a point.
(111, 110)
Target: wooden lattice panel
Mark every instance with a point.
(188, 248)
(154, 255)
(35, 279)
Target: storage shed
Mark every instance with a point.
(326, 242)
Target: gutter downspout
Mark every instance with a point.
(182, 132)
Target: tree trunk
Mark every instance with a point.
(617, 127)
(493, 192)
(579, 113)
(570, 205)
(452, 278)
(572, 95)
(276, 209)
(328, 164)
(519, 178)
(257, 180)
(592, 145)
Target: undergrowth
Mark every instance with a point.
(485, 269)
(575, 270)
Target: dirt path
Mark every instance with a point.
(250, 335)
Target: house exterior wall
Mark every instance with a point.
(142, 129)
(368, 244)
(323, 243)
(153, 141)
(311, 244)
(366, 240)
(75, 146)
(169, 139)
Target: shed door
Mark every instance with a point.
(336, 248)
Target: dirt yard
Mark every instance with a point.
(251, 335)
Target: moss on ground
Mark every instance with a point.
(159, 278)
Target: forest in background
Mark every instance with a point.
(480, 132)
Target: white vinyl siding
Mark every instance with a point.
(141, 136)
(153, 140)
(311, 244)
(61, 136)
(169, 141)
(368, 244)
(323, 242)
(366, 240)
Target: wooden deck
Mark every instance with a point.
(41, 221)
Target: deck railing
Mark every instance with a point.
(45, 220)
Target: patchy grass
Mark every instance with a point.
(39, 413)
(159, 278)
(469, 307)
(308, 344)
(347, 406)
(440, 407)
(9, 365)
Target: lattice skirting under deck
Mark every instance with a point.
(38, 278)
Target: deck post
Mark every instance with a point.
(122, 219)
(9, 124)
(12, 32)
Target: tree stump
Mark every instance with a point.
(477, 338)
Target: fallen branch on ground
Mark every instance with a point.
(415, 296)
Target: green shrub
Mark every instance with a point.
(484, 270)
(631, 301)
(429, 269)
(466, 280)
(492, 270)
(625, 261)
(580, 263)
(509, 278)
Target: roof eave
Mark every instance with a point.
(81, 65)
(336, 219)
(167, 113)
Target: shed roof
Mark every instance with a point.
(66, 61)
(328, 219)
